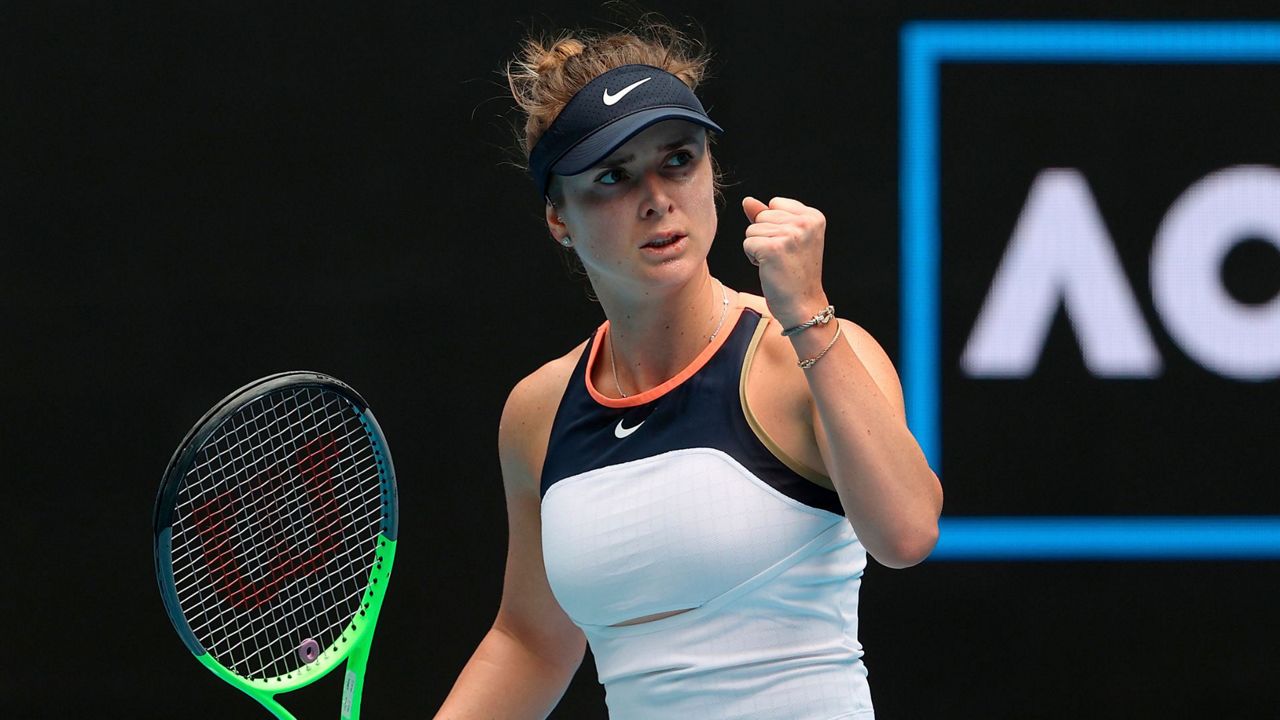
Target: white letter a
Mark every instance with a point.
(1060, 252)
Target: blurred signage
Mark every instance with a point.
(1091, 285)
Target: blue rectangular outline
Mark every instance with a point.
(925, 46)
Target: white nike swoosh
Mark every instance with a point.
(621, 432)
(612, 99)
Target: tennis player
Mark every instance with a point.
(695, 488)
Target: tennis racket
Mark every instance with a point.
(275, 532)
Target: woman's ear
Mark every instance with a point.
(557, 226)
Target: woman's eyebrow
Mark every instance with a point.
(616, 160)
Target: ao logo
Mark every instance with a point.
(1061, 253)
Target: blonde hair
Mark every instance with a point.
(548, 71)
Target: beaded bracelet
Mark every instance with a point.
(806, 364)
(821, 318)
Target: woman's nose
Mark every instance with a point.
(656, 200)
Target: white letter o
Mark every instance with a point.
(1228, 337)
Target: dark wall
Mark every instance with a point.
(196, 195)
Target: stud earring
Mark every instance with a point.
(566, 241)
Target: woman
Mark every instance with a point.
(695, 488)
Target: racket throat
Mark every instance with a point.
(353, 681)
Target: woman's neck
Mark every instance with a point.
(653, 339)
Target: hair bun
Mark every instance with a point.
(542, 80)
(558, 54)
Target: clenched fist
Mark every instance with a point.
(785, 240)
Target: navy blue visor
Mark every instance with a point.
(606, 113)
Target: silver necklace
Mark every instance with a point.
(724, 311)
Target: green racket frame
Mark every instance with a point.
(352, 645)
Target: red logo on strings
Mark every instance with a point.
(274, 532)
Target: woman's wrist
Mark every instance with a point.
(815, 340)
(794, 315)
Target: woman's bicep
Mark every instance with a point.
(878, 365)
(529, 611)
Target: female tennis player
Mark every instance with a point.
(695, 488)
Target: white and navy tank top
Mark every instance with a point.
(676, 499)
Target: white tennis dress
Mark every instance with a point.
(675, 499)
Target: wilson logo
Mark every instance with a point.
(264, 500)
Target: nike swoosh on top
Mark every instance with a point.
(621, 432)
(612, 99)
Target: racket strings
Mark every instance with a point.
(238, 448)
(214, 523)
(276, 529)
(218, 563)
(214, 531)
(224, 614)
(361, 462)
(188, 585)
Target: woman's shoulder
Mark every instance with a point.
(531, 407)
(545, 384)
(755, 302)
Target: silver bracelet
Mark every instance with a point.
(821, 318)
(806, 364)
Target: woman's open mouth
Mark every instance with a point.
(660, 244)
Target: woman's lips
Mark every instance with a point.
(664, 243)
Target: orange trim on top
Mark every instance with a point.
(654, 393)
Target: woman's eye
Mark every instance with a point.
(684, 157)
(612, 177)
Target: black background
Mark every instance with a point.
(199, 194)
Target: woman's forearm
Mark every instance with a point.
(886, 487)
(506, 680)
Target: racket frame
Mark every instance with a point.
(353, 643)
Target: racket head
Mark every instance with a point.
(275, 529)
